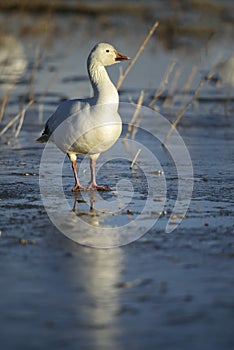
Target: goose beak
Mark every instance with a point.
(119, 57)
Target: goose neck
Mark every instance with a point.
(103, 88)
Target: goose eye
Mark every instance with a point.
(107, 50)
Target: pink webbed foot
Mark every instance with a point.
(95, 187)
(78, 187)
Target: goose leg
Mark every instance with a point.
(93, 184)
(77, 186)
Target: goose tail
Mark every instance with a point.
(43, 138)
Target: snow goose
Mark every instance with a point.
(92, 125)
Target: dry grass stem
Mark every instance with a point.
(188, 104)
(120, 71)
(33, 73)
(20, 123)
(187, 85)
(135, 158)
(190, 79)
(172, 88)
(164, 84)
(133, 61)
(133, 123)
(6, 97)
(40, 112)
(182, 111)
(135, 127)
(3, 105)
(16, 118)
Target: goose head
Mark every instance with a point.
(104, 54)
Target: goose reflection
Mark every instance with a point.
(79, 199)
(92, 224)
(96, 275)
(100, 274)
(97, 308)
(83, 207)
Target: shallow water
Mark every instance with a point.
(163, 289)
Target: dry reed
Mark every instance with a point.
(21, 115)
(16, 118)
(139, 51)
(134, 123)
(164, 84)
(31, 94)
(185, 108)
(20, 123)
(135, 158)
(5, 99)
(171, 92)
(187, 85)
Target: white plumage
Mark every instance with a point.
(92, 125)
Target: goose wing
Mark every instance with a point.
(64, 111)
